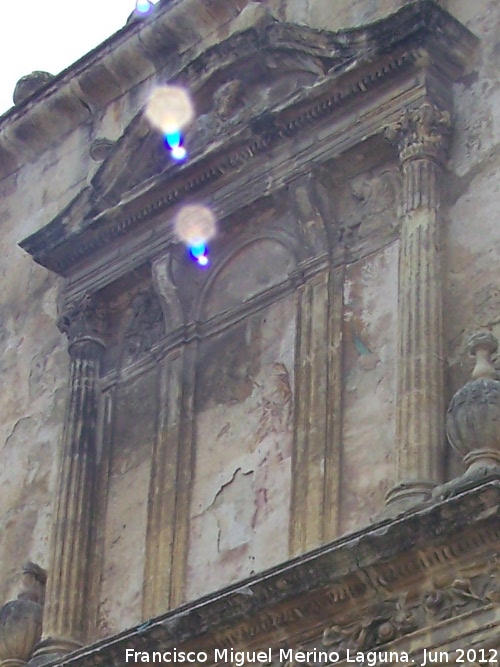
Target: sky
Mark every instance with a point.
(51, 35)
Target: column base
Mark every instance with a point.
(51, 649)
(406, 495)
(481, 459)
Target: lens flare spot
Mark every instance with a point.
(169, 110)
(143, 6)
(178, 153)
(195, 225)
(173, 139)
(198, 250)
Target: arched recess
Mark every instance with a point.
(243, 415)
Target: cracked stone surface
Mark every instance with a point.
(241, 489)
(370, 338)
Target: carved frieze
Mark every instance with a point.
(384, 622)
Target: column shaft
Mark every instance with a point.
(421, 137)
(420, 407)
(69, 578)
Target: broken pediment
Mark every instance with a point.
(273, 101)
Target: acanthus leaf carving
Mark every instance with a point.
(444, 603)
(83, 319)
(421, 132)
(386, 621)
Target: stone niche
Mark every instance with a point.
(244, 389)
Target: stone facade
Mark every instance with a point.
(267, 434)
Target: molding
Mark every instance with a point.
(454, 543)
(194, 331)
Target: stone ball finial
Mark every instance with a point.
(29, 84)
(473, 417)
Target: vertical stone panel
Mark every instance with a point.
(184, 479)
(316, 449)
(243, 417)
(162, 491)
(369, 387)
(135, 410)
(108, 401)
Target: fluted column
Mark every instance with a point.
(421, 138)
(69, 576)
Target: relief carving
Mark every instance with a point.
(421, 132)
(385, 622)
(228, 109)
(83, 319)
(443, 603)
(168, 293)
(312, 206)
(146, 326)
(367, 206)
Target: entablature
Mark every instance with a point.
(355, 83)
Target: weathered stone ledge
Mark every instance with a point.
(130, 56)
(364, 570)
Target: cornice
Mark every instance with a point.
(446, 551)
(136, 52)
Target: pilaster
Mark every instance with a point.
(171, 467)
(421, 137)
(317, 439)
(69, 577)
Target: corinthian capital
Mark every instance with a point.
(82, 320)
(422, 132)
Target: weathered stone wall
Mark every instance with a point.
(34, 361)
(472, 236)
(33, 356)
(370, 334)
(242, 478)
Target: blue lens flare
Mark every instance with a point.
(174, 142)
(199, 253)
(173, 139)
(198, 250)
(142, 6)
(178, 153)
